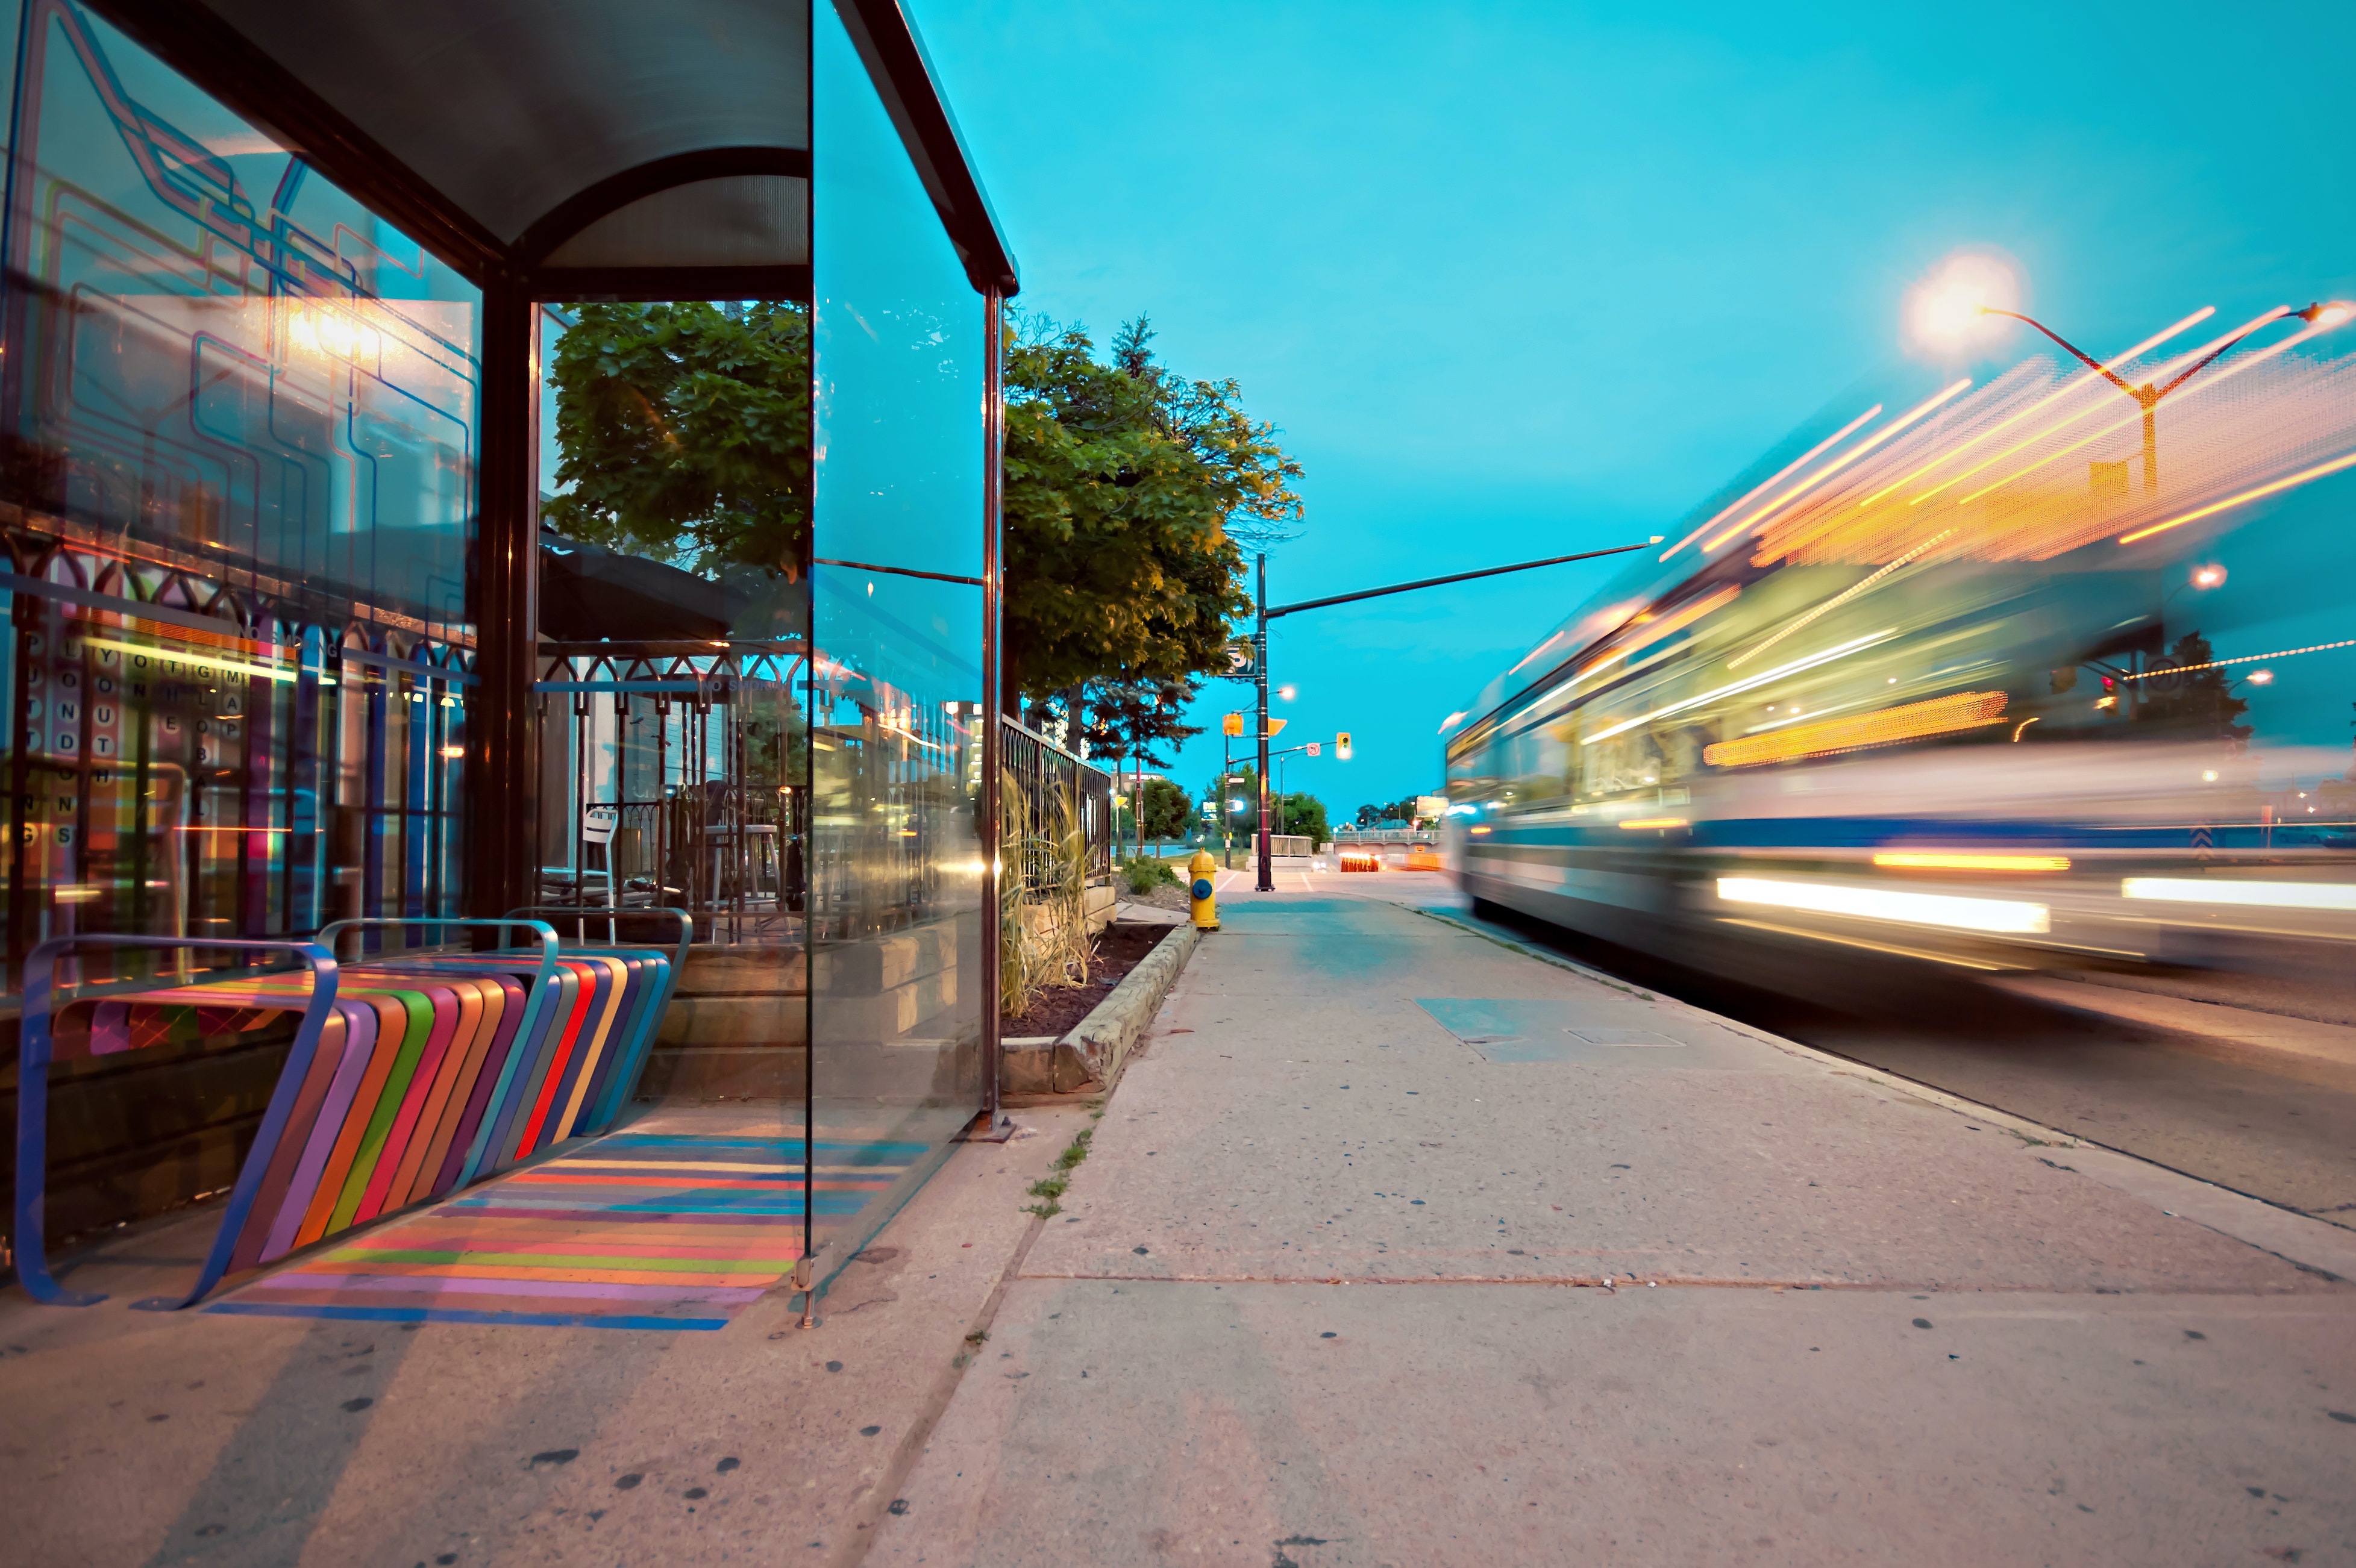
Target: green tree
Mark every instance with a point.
(1304, 814)
(2200, 706)
(1134, 718)
(685, 433)
(1163, 810)
(685, 430)
(1123, 482)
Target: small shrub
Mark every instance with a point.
(1145, 874)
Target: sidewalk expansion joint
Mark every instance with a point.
(871, 1512)
(1614, 1286)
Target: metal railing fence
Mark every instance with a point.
(1048, 782)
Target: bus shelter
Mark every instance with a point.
(288, 290)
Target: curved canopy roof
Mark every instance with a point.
(571, 142)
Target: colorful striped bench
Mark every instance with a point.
(411, 1075)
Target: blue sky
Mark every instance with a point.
(1520, 280)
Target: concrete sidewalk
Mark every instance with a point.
(130, 1437)
(1400, 1245)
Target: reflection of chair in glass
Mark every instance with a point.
(587, 884)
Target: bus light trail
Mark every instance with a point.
(2074, 383)
(1918, 412)
(1774, 479)
(2318, 472)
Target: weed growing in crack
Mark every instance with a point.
(1053, 1185)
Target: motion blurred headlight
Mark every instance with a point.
(2264, 895)
(2005, 915)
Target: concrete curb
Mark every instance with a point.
(1092, 1054)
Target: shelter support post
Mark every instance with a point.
(502, 743)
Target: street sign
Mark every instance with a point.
(1312, 748)
(1342, 745)
(1232, 724)
(1239, 657)
(1275, 725)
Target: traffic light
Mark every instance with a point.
(1233, 724)
(1342, 745)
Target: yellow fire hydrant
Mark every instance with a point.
(1199, 886)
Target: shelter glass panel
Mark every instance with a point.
(238, 444)
(236, 467)
(674, 608)
(897, 856)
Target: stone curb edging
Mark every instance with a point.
(1095, 1050)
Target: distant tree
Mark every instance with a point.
(1163, 810)
(685, 430)
(1123, 485)
(1133, 719)
(1304, 814)
(2199, 706)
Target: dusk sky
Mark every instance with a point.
(1515, 280)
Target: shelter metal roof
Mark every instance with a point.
(587, 147)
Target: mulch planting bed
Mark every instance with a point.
(1118, 949)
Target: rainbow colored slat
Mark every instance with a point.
(639, 1230)
(432, 1074)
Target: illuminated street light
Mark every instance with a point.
(2208, 576)
(1944, 311)
(2322, 314)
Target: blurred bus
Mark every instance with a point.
(1985, 683)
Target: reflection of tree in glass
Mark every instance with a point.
(2200, 706)
(774, 754)
(685, 433)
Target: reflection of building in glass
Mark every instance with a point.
(290, 645)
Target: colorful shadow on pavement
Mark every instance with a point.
(634, 1231)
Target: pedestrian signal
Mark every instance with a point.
(1233, 724)
(1342, 745)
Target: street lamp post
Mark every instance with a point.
(1266, 882)
(2149, 395)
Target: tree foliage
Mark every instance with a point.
(1136, 719)
(685, 430)
(1303, 814)
(685, 433)
(1163, 810)
(2200, 706)
(1121, 481)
